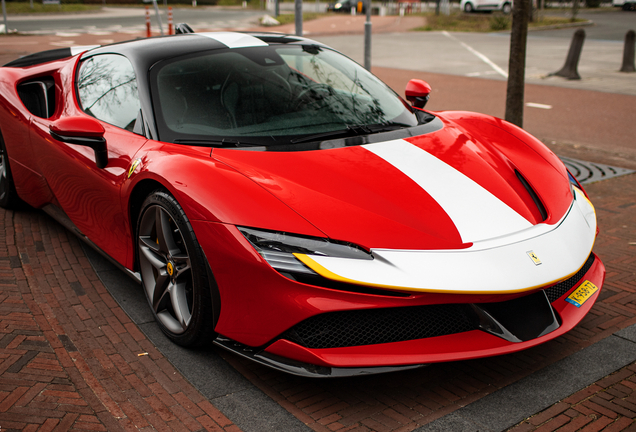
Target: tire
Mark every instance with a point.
(175, 274)
(506, 8)
(8, 196)
(468, 7)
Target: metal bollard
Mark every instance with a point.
(628, 52)
(148, 33)
(569, 70)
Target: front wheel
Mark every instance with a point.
(506, 9)
(174, 271)
(468, 7)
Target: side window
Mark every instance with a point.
(107, 90)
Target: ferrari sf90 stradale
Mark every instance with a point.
(275, 198)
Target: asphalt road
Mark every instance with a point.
(132, 20)
(609, 25)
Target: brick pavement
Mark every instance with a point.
(69, 355)
(70, 358)
(404, 401)
(609, 404)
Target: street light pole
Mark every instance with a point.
(298, 12)
(367, 38)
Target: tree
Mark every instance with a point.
(517, 62)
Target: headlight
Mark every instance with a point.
(338, 6)
(278, 249)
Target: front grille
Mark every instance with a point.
(556, 291)
(376, 326)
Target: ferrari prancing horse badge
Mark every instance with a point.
(533, 256)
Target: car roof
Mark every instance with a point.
(147, 51)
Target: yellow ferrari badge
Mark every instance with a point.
(170, 269)
(133, 167)
(533, 256)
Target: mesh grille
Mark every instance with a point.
(556, 291)
(376, 326)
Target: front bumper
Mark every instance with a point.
(292, 357)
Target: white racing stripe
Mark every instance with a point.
(476, 212)
(492, 267)
(234, 40)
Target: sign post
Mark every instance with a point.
(4, 14)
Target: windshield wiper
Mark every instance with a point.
(223, 142)
(352, 130)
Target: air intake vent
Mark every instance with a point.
(533, 195)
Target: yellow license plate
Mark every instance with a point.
(582, 293)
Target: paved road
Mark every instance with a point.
(485, 55)
(608, 25)
(132, 20)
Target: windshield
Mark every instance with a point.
(273, 95)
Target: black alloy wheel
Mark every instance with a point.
(175, 274)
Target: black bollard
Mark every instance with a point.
(628, 52)
(569, 69)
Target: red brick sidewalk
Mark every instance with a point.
(69, 355)
(403, 401)
(608, 405)
(70, 358)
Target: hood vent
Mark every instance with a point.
(533, 195)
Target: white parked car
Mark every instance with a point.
(625, 4)
(504, 6)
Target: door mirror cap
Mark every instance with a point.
(417, 92)
(84, 131)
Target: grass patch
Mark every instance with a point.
(291, 18)
(553, 20)
(38, 7)
(461, 22)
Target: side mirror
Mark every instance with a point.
(418, 92)
(84, 131)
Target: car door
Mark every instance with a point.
(106, 89)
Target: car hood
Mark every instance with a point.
(444, 190)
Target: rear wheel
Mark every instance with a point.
(8, 195)
(468, 7)
(507, 8)
(174, 271)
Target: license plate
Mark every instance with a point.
(582, 293)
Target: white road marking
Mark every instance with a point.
(482, 57)
(66, 43)
(538, 105)
(476, 74)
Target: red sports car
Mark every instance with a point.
(275, 198)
